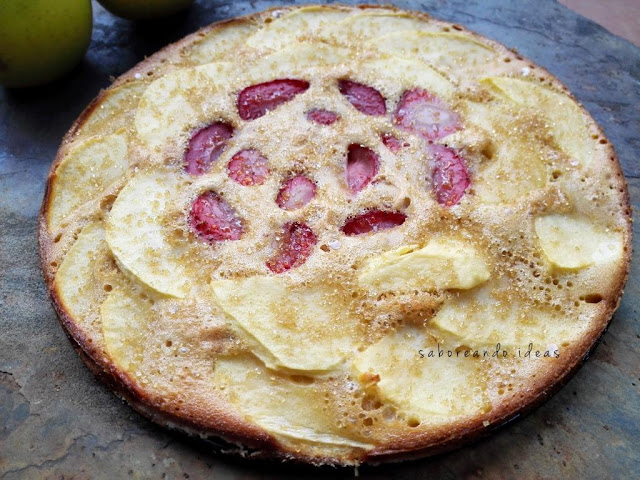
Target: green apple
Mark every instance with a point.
(144, 9)
(40, 40)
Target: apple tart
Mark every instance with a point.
(335, 234)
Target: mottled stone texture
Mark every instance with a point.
(57, 421)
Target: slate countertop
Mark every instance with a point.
(58, 421)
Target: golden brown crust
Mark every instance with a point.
(251, 441)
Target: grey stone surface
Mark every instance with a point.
(57, 421)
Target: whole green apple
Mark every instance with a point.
(144, 9)
(40, 40)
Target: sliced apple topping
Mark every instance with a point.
(516, 165)
(75, 279)
(114, 110)
(300, 328)
(370, 24)
(294, 26)
(220, 43)
(492, 314)
(401, 75)
(574, 242)
(447, 50)
(280, 405)
(138, 235)
(443, 263)
(125, 319)
(424, 387)
(87, 170)
(566, 119)
(179, 102)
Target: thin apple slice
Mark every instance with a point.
(493, 314)
(574, 242)
(443, 263)
(280, 405)
(371, 24)
(295, 60)
(114, 110)
(289, 28)
(85, 172)
(75, 281)
(220, 44)
(422, 387)
(566, 119)
(180, 102)
(125, 319)
(517, 166)
(138, 236)
(406, 74)
(448, 50)
(302, 328)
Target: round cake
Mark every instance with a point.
(335, 234)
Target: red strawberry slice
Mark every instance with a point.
(366, 99)
(449, 176)
(373, 221)
(248, 167)
(296, 193)
(362, 166)
(205, 147)
(423, 113)
(256, 100)
(392, 143)
(213, 220)
(295, 245)
(322, 117)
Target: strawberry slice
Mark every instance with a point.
(449, 176)
(366, 99)
(322, 117)
(392, 143)
(373, 221)
(248, 167)
(296, 193)
(294, 247)
(423, 113)
(213, 220)
(205, 147)
(256, 100)
(362, 166)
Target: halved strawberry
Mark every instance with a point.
(449, 176)
(322, 117)
(362, 165)
(248, 167)
(366, 99)
(294, 247)
(296, 193)
(213, 220)
(205, 147)
(256, 100)
(421, 112)
(373, 221)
